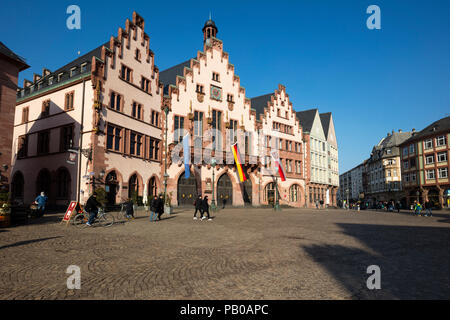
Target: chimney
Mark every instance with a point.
(393, 131)
(45, 72)
(400, 130)
(413, 130)
(27, 83)
(36, 77)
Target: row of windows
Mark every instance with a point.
(276, 126)
(442, 173)
(45, 109)
(116, 102)
(132, 143)
(43, 142)
(427, 145)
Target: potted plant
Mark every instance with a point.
(168, 203)
(5, 210)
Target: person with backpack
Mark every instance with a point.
(160, 208)
(154, 208)
(198, 203)
(428, 206)
(129, 209)
(91, 207)
(205, 208)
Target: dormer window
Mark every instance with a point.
(50, 81)
(84, 67)
(73, 71)
(60, 76)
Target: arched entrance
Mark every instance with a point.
(225, 190)
(133, 187)
(43, 182)
(269, 193)
(152, 187)
(247, 192)
(111, 187)
(433, 196)
(17, 186)
(186, 190)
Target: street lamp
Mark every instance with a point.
(277, 201)
(347, 191)
(166, 111)
(213, 201)
(417, 194)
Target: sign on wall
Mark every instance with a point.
(216, 93)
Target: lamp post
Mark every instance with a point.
(277, 201)
(417, 194)
(347, 191)
(306, 199)
(166, 111)
(213, 201)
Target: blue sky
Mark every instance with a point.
(373, 81)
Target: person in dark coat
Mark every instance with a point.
(198, 207)
(397, 206)
(92, 206)
(129, 209)
(428, 206)
(205, 207)
(154, 208)
(160, 206)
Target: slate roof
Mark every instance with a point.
(8, 53)
(169, 76)
(260, 102)
(66, 71)
(325, 118)
(440, 126)
(306, 119)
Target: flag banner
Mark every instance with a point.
(237, 159)
(276, 159)
(187, 156)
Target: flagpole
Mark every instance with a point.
(277, 201)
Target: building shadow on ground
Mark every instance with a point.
(22, 243)
(414, 261)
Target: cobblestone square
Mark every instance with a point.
(241, 254)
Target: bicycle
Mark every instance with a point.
(103, 218)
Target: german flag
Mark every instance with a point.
(237, 159)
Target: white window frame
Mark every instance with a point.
(440, 141)
(441, 170)
(426, 142)
(444, 154)
(431, 156)
(433, 174)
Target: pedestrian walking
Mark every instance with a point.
(160, 206)
(428, 206)
(154, 208)
(198, 203)
(91, 207)
(129, 210)
(41, 201)
(224, 202)
(205, 208)
(418, 209)
(317, 204)
(397, 206)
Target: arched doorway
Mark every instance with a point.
(111, 187)
(294, 193)
(269, 193)
(17, 186)
(63, 183)
(225, 190)
(433, 196)
(43, 182)
(152, 187)
(133, 187)
(247, 192)
(186, 190)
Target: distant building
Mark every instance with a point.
(10, 66)
(425, 164)
(324, 181)
(351, 184)
(383, 171)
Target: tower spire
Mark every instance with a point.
(209, 29)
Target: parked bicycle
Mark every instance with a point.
(103, 219)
